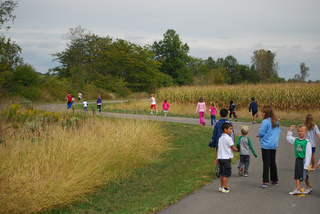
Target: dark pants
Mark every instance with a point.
(213, 118)
(244, 161)
(233, 113)
(269, 163)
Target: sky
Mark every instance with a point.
(211, 28)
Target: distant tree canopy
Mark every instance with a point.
(173, 55)
(264, 62)
(110, 64)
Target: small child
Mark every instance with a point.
(79, 96)
(99, 101)
(202, 110)
(312, 133)
(213, 110)
(165, 106)
(254, 108)
(244, 146)
(303, 151)
(153, 103)
(232, 109)
(85, 105)
(224, 155)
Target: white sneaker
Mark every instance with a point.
(151, 112)
(220, 189)
(307, 190)
(225, 190)
(295, 192)
(230, 119)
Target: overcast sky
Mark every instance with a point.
(289, 28)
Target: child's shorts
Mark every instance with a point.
(299, 172)
(153, 106)
(225, 167)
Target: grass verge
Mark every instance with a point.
(179, 171)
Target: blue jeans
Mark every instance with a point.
(69, 105)
(213, 118)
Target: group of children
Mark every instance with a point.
(304, 147)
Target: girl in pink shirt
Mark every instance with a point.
(213, 110)
(202, 110)
(165, 106)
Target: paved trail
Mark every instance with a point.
(246, 194)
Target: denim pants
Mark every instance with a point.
(213, 118)
(244, 161)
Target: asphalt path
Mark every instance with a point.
(246, 194)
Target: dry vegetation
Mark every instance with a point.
(47, 161)
(285, 96)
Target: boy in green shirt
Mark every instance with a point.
(244, 146)
(303, 153)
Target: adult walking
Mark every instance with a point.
(269, 133)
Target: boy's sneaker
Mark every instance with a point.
(275, 183)
(151, 113)
(254, 122)
(220, 189)
(236, 120)
(295, 192)
(240, 171)
(246, 174)
(264, 185)
(307, 190)
(225, 190)
(230, 119)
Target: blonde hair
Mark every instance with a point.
(244, 130)
(309, 122)
(302, 126)
(153, 95)
(212, 104)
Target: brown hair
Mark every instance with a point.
(268, 112)
(309, 122)
(213, 104)
(200, 99)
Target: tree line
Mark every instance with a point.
(94, 63)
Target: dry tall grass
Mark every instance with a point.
(285, 96)
(56, 166)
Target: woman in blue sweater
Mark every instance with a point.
(269, 133)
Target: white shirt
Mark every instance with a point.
(312, 135)
(224, 147)
(85, 103)
(153, 101)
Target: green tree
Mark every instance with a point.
(264, 62)
(173, 55)
(303, 73)
(6, 10)
(9, 51)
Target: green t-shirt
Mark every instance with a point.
(300, 148)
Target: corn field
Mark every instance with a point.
(285, 96)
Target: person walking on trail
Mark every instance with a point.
(165, 106)
(312, 133)
(224, 155)
(85, 105)
(244, 146)
(69, 100)
(217, 130)
(269, 133)
(79, 96)
(253, 107)
(303, 152)
(99, 101)
(201, 107)
(153, 103)
(232, 109)
(213, 111)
